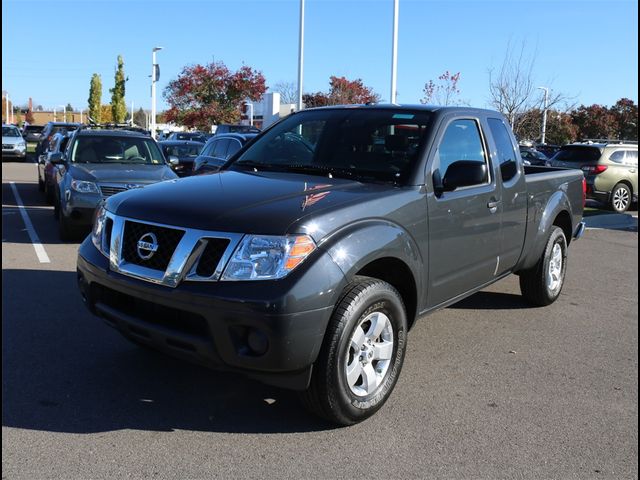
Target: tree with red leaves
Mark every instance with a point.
(594, 121)
(208, 95)
(444, 92)
(342, 92)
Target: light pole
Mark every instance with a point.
(64, 113)
(394, 53)
(300, 55)
(6, 105)
(544, 115)
(154, 79)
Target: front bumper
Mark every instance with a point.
(13, 153)
(78, 208)
(268, 330)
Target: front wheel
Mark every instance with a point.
(362, 354)
(542, 284)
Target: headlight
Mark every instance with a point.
(21, 146)
(98, 233)
(260, 257)
(81, 186)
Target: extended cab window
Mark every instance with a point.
(461, 142)
(505, 152)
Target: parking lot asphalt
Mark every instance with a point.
(491, 388)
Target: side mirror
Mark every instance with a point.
(464, 173)
(57, 158)
(173, 160)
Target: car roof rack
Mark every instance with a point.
(129, 126)
(609, 141)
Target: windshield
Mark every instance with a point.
(182, 151)
(578, 154)
(116, 150)
(10, 132)
(363, 144)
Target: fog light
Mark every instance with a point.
(257, 341)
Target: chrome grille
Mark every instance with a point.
(6, 146)
(108, 190)
(183, 254)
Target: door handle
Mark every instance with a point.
(493, 206)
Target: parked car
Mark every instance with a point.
(534, 157)
(193, 136)
(548, 150)
(32, 133)
(228, 128)
(306, 268)
(46, 169)
(610, 167)
(218, 150)
(13, 145)
(97, 164)
(49, 130)
(185, 151)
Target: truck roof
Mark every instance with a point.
(408, 107)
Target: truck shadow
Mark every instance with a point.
(66, 371)
(492, 301)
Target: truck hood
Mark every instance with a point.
(244, 202)
(120, 173)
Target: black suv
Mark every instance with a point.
(218, 150)
(97, 164)
(49, 130)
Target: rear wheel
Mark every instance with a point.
(620, 198)
(362, 354)
(542, 284)
(40, 184)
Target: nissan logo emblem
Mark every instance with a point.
(147, 246)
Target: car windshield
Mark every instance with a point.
(10, 132)
(182, 151)
(107, 149)
(33, 128)
(362, 144)
(578, 154)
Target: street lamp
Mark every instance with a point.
(300, 55)
(154, 79)
(64, 113)
(394, 53)
(544, 114)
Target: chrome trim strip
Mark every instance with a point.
(184, 261)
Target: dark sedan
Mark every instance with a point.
(534, 157)
(218, 149)
(185, 151)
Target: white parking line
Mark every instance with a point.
(35, 240)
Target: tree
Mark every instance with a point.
(625, 111)
(594, 121)
(68, 108)
(513, 90)
(287, 90)
(106, 114)
(95, 98)
(342, 92)
(39, 108)
(118, 105)
(140, 118)
(444, 92)
(345, 92)
(205, 95)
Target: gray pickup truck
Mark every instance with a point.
(305, 261)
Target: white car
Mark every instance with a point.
(13, 145)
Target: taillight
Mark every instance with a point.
(594, 169)
(584, 192)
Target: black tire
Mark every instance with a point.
(40, 184)
(534, 283)
(48, 194)
(621, 199)
(65, 230)
(329, 394)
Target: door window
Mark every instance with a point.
(461, 142)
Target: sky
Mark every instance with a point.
(586, 50)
